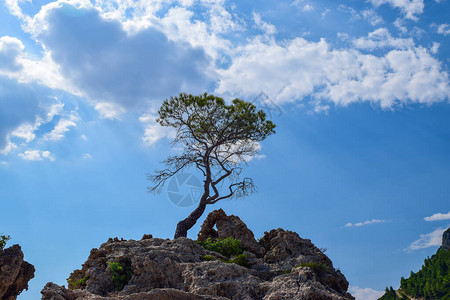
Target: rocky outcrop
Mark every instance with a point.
(14, 273)
(446, 240)
(281, 266)
(229, 226)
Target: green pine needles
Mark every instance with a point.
(432, 281)
(3, 240)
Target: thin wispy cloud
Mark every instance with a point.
(444, 29)
(427, 240)
(411, 9)
(438, 217)
(368, 222)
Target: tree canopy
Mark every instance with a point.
(217, 139)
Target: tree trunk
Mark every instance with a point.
(186, 224)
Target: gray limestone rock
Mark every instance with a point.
(281, 266)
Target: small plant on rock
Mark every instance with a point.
(77, 283)
(227, 247)
(121, 273)
(317, 267)
(3, 240)
(208, 258)
(241, 260)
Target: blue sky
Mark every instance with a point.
(359, 91)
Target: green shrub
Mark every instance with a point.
(3, 240)
(77, 283)
(241, 260)
(317, 267)
(121, 273)
(208, 258)
(227, 247)
(287, 271)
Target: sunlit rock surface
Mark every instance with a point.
(177, 269)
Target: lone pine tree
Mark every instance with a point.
(217, 139)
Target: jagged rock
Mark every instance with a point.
(229, 226)
(301, 283)
(178, 269)
(446, 240)
(52, 291)
(14, 273)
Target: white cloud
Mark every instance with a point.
(308, 8)
(435, 48)
(8, 147)
(87, 156)
(411, 8)
(438, 217)
(399, 23)
(266, 27)
(291, 70)
(24, 107)
(37, 155)
(153, 132)
(10, 49)
(25, 131)
(350, 10)
(99, 59)
(382, 38)
(371, 16)
(431, 239)
(444, 29)
(109, 110)
(365, 293)
(61, 128)
(368, 14)
(14, 8)
(368, 222)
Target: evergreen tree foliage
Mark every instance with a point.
(431, 282)
(390, 294)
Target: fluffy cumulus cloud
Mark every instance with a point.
(410, 8)
(365, 293)
(438, 217)
(298, 68)
(37, 155)
(130, 55)
(427, 240)
(368, 222)
(107, 64)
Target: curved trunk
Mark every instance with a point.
(186, 224)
